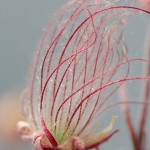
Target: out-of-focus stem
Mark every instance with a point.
(127, 115)
(146, 97)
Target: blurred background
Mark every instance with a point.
(21, 27)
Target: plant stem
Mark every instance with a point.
(146, 97)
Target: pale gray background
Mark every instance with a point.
(21, 26)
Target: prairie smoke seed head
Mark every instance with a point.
(74, 73)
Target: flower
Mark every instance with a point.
(145, 4)
(75, 72)
(9, 115)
